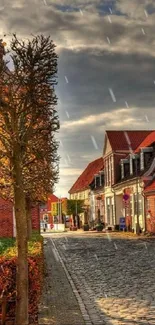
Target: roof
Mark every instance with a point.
(147, 141)
(87, 176)
(150, 187)
(126, 139)
(53, 198)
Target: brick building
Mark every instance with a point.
(7, 219)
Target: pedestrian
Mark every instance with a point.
(45, 225)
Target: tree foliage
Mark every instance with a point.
(75, 207)
(28, 148)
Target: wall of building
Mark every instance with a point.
(150, 213)
(6, 218)
(120, 205)
(119, 208)
(81, 195)
(7, 221)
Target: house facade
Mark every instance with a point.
(121, 185)
(54, 210)
(131, 153)
(149, 195)
(97, 201)
(81, 189)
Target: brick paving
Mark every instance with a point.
(59, 305)
(114, 276)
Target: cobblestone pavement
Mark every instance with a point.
(115, 277)
(59, 305)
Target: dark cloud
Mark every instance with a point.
(94, 55)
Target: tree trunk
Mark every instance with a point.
(29, 218)
(22, 264)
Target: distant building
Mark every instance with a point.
(81, 188)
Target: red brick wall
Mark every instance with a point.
(6, 218)
(35, 218)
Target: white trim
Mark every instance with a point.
(131, 165)
(142, 160)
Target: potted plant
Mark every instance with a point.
(99, 227)
(86, 227)
(73, 228)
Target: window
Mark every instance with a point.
(136, 164)
(108, 210)
(122, 169)
(100, 179)
(95, 181)
(113, 214)
(140, 204)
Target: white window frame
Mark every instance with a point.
(131, 165)
(142, 160)
(122, 169)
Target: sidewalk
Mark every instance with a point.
(59, 305)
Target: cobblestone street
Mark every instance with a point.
(114, 277)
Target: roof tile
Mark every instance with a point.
(87, 176)
(147, 141)
(119, 139)
(150, 187)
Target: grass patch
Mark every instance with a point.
(8, 246)
(6, 243)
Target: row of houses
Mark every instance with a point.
(121, 183)
(54, 210)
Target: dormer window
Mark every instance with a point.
(123, 169)
(96, 175)
(145, 155)
(101, 177)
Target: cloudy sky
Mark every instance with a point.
(106, 77)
